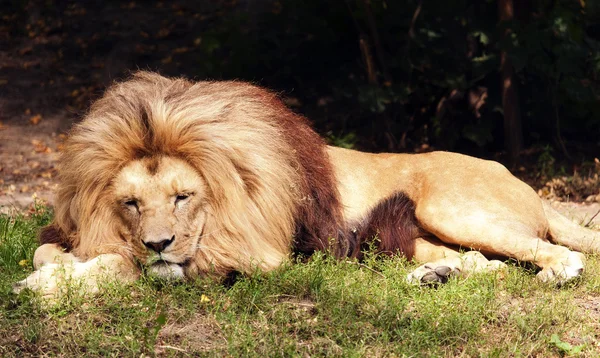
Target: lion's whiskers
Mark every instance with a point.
(211, 233)
(122, 248)
(206, 248)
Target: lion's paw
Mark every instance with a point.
(431, 274)
(52, 280)
(464, 265)
(565, 270)
(44, 280)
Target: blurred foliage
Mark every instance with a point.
(427, 74)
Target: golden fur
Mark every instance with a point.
(225, 153)
(231, 180)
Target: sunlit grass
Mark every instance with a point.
(321, 307)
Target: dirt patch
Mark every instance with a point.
(199, 334)
(590, 307)
(28, 156)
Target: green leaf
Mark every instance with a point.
(483, 37)
(565, 346)
(161, 320)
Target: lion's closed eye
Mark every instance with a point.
(132, 204)
(180, 198)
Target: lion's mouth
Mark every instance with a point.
(165, 262)
(155, 260)
(166, 269)
(159, 260)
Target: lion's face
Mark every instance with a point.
(162, 204)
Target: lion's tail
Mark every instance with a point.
(565, 232)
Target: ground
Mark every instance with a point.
(28, 155)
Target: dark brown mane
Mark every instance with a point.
(393, 224)
(320, 223)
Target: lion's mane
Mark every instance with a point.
(271, 186)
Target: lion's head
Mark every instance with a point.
(162, 203)
(210, 176)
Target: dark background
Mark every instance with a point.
(372, 74)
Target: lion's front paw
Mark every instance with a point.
(52, 280)
(463, 265)
(432, 274)
(45, 280)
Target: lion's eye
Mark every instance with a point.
(181, 198)
(132, 203)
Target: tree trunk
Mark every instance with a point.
(513, 131)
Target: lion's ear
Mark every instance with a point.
(52, 234)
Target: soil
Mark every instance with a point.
(28, 155)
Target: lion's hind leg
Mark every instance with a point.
(442, 262)
(504, 234)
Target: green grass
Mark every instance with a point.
(322, 307)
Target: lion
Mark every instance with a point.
(182, 179)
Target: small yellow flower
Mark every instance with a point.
(23, 263)
(204, 299)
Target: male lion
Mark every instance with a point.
(208, 178)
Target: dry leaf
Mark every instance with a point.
(163, 33)
(40, 147)
(35, 119)
(25, 50)
(47, 174)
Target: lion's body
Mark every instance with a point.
(217, 177)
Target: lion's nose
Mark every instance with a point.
(159, 246)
